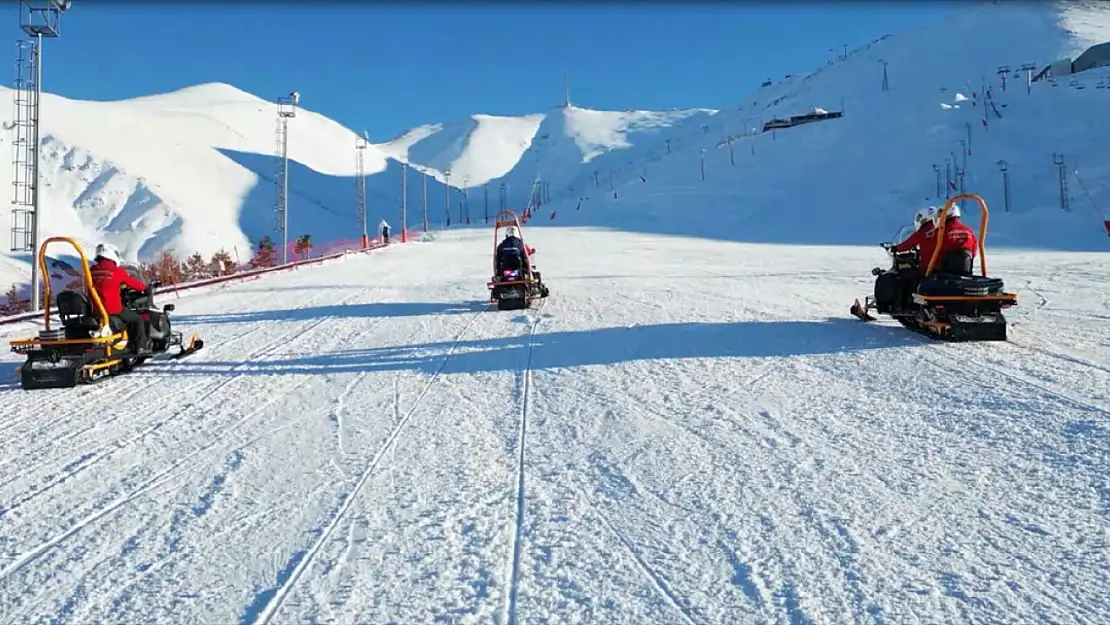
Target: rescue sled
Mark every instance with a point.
(948, 302)
(514, 289)
(90, 345)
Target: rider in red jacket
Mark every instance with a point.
(924, 237)
(107, 278)
(957, 234)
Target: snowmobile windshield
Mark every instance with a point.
(134, 271)
(902, 234)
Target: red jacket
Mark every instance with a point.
(107, 277)
(924, 237)
(957, 235)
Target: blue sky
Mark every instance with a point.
(385, 67)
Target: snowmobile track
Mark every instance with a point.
(944, 349)
(152, 483)
(168, 474)
(280, 594)
(658, 583)
(513, 567)
(141, 407)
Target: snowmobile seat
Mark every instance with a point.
(76, 313)
(955, 277)
(953, 285)
(959, 262)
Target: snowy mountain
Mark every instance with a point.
(857, 178)
(563, 146)
(691, 429)
(193, 170)
(186, 171)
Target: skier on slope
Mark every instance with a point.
(383, 227)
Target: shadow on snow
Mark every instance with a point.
(373, 309)
(608, 346)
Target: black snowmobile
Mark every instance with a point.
(940, 296)
(516, 283)
(90, 345)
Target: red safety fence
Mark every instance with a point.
(237, 269)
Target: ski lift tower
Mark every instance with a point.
(287, 109)
(39, 19)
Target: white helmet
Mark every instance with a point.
(510, 232)
(924, 215)
(953, 211)
(109, 251)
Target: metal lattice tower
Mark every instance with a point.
(38, 19)
(25, 148)
(361, 144)
(286, 110)
(1058, 161)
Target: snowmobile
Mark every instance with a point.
(948, 302)
(90, 345)
(514, 288)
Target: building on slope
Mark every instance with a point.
(1094, 57)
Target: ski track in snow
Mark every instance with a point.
(88, 459)
(684, 438)
(524, 386)
(165, 475)
(304, 559)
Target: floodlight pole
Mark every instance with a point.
(361, 144)
(39, 19)
(447, 197)
(404, 200)
(424, 198)
(287, 109)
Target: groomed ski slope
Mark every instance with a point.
(685, 432)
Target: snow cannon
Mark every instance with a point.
(943, 298)
(516, 283)
(89, 345)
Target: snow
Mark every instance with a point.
(556, 146)
(691, 429)
(155, 173)
(856, 179)
(193, 170)
(481, 149)
(707, 439)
